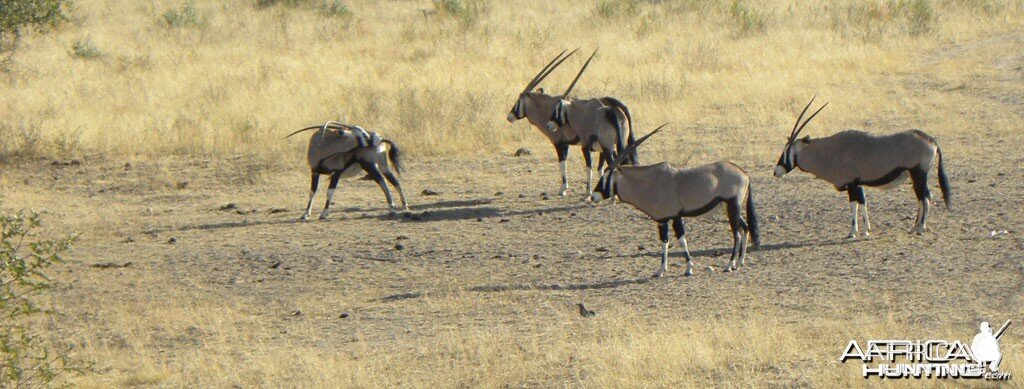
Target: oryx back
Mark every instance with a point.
(858, 158)
(663, 192)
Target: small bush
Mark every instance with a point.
(26, 358)
(184, 16)
(468, 12)
(17, 16)
(747, 20)
(918, 15)
(85, 49)
(609, 9)
(335, 9)
(874, 20)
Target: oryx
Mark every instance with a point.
(600, 126)
(536, 106)
(668, 194)
(851, 160)
(337, 149)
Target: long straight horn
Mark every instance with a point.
(569, 89)
(548, 69)
(797, 133)
(632, 147)
(792, 133)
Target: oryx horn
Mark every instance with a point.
(548, 69)
(625, 153)
(569, 89)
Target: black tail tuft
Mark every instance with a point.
(755, 229)
(395, 154)
(944, 181)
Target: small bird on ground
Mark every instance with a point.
(585, 312)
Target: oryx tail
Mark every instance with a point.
(394, 154)
(943, 180)
(611, 101)
(755, 229)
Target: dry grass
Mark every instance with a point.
(143, 80)
(228, 78)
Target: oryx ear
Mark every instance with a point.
(806, 139)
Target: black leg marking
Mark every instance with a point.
(856, 193)
(738, 226)
(920, 178)
(335, 177)
(677, 225)
(587, 158)
(562, 149)
(373, 171)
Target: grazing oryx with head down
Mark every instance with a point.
(668, 194)
(851, 160)
(337, 148)
(536, 106)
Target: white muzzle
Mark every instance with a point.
(551, 126)
(779, 171)
(511, 117)
(595, 197)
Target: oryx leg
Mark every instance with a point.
(663, 235)
(398, 185)
(609, 157)
(739, 231)
(335, 177)
(589, 161)
(680, 229)
(562, 149)
(864, 208)
(314, 183)
(374, 172)
(920, 179)
(856, 195)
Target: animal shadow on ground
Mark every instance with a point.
(675, 252)
(437, 211)
(522, 287)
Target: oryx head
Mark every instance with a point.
(519, 109)
(787, 161)
(560, 116)
(604, 188)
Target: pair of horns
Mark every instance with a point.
(548, 69)
(329, 124)
(797, 127)
(629, 150)
(569, 89)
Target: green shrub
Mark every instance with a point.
(85, 49)
(609, 9)
(18, 16)
(747, 20)
(336, 9)
(468, 12)
(26, 358)
(184, 16)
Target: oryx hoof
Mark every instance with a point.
(304, 217)
(917, 230)
(323, 216)
(659, 274)
(852, 236)
(689, 273)
(867, 233)
(729, 269)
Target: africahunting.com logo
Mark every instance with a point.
(932, 358)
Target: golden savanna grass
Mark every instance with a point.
(210, 79)
(236, 77)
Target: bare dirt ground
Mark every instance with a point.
(510, 253)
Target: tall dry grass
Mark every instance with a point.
(231, 77)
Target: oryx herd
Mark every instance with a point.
(849, 160)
